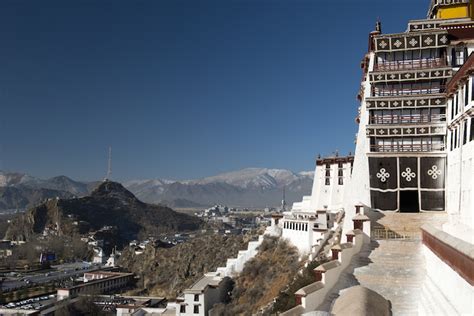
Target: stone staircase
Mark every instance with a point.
(395, 268)
(396, 272)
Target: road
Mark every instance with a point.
(59, 272)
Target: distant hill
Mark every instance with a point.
(251, 187)
(110, 204)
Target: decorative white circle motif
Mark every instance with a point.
(408, 174)
(443, 39)
(383, 44)
(434, 172)
(383, 175)
(398, 43)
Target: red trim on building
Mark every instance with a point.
(458, 261)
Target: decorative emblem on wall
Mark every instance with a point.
(408, 174)
(413, 41)
(383, 175)
(434, 172)
(428, 41)
(383, 44)
(443, 39)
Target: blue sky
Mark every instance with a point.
(182, 89)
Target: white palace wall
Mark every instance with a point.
(458, 292)
(358, 191)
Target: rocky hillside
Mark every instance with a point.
(110, 204)
(168, 271)
(264, 277)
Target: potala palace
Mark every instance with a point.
(404, 202)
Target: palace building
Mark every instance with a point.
(403, 139)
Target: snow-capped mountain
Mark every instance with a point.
(251, 187)
(253, 178)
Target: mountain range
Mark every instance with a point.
(251, 188)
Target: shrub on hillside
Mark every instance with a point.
(263, 278)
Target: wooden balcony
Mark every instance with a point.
(411, 148)
(381, 92)
(407, 119)
(411, 64)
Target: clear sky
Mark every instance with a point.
(182, 89)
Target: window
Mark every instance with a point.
(328, 181)
(472, 88)
(341, 181)
(471, 138)
(452, 109)
(196, 297)
(466, 94)
(464, 134)
(182, 308)
(456, 104)
(452, 140)
(196, 309)
(458, 55)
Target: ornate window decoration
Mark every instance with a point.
(383, 175)
(408, 174)
(434, 172)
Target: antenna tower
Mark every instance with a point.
(109, 165)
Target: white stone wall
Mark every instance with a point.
(326, 196)
(358, 192)
(457, 291)
(460, 171)
(300, 238)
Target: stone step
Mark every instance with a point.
(405, 223)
